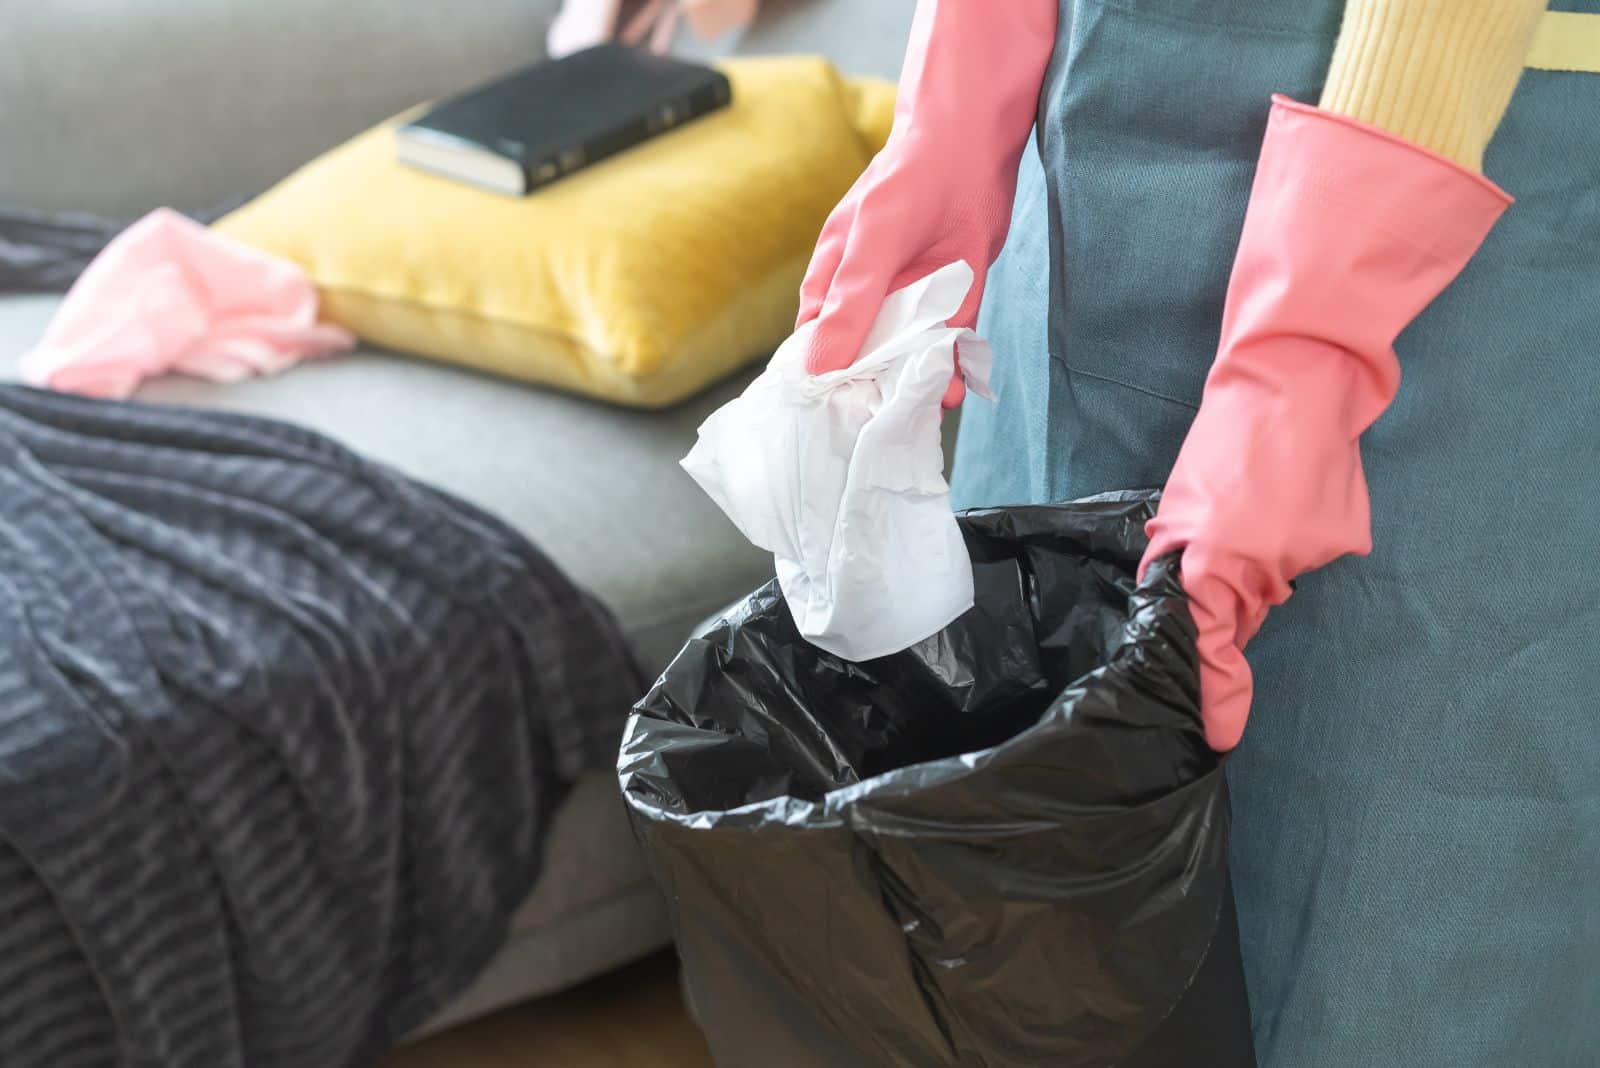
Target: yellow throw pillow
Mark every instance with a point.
(640, 280)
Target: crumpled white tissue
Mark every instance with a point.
(841, 475)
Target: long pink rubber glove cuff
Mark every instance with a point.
(1349, 234)
(941, 188)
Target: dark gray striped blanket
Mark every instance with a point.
(280, 735)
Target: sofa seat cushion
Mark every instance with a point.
(597, 488)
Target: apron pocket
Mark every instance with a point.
(1151, 188)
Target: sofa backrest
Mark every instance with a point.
(860, 36)
(118, 106)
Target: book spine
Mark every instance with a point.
(673, 113)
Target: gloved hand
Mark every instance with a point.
(1349, 234)
(941, 188)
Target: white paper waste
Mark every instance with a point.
(841, 475)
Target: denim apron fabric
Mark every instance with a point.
(1417, 799)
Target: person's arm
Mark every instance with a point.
(1439, 73)
(941, 188)
(1350, 232)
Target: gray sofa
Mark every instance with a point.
(115, 107)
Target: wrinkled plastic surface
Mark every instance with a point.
(1003, 846)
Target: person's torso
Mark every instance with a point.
(1418, 795)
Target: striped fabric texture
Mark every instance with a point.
(280, 736)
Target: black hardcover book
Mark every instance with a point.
(546, 121)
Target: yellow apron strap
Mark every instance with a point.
(1566, 41)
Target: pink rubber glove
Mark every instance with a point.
(941, 188)
(1349, 234)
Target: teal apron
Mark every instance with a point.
(1417, 799)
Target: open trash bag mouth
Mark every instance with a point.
(1003, 845)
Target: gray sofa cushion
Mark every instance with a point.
(597, 488)
(595, 908)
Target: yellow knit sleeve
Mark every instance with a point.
(1439, 73)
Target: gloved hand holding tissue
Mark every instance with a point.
(840, 475)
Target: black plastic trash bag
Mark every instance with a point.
(1006, 845)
